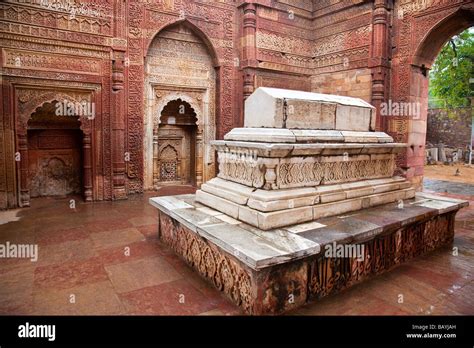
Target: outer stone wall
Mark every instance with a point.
(453, 129)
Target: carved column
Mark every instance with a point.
(118, 126)
(87, 175)
(23, 169)
(379, 59)
(249, 49)
(199, 158)
(156, 158)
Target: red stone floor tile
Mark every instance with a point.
(47, 237)
(104, 226)
(129, 252)
(141, 273)
(97, 298)
(82, 252)
(173, 298)
(69, 274)
(143, 221)
(74, 250)
(16, 287)
(149, 231)
(115, 238)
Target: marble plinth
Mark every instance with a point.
(274, 271)
(268, 209)
(281, 108)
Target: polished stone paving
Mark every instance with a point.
(105, 258)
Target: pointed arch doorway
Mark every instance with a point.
(180, 72)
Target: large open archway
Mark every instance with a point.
(423, 57)
(180, 72)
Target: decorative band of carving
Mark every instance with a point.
(245, 173)
(299, 174)
(251, 172)
(330, 275)
(226, 274)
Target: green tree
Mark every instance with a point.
(451, 72)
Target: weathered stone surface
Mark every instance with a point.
(223, 205)
(353, 118)
(279, 108)
(234, 192)
(290, 136)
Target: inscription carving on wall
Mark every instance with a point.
(68, 15)
(50, 62)
(273, 41)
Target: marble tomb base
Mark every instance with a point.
(275, 271)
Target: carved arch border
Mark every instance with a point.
(430, 30)
(194, 28)
(180, 93)
(27, 100)
(195, 97)
(48, 96)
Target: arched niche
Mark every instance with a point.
(31, 101)
(180, 65)
(176, 149)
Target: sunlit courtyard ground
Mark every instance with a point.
(448, 173)
(105, 258)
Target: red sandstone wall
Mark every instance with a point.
(361, 48)
(452, 129)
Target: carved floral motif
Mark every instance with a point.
(226, 274)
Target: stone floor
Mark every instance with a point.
(105, 258)
(448, 186)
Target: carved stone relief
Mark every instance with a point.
(179, 67)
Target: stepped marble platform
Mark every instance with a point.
(275, 271)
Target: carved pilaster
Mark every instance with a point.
(249, 38)
(379, 60)
(87, 153)
(23, 169)
(199, 159)
(118, 126)
(249, 52)
(156, 159)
